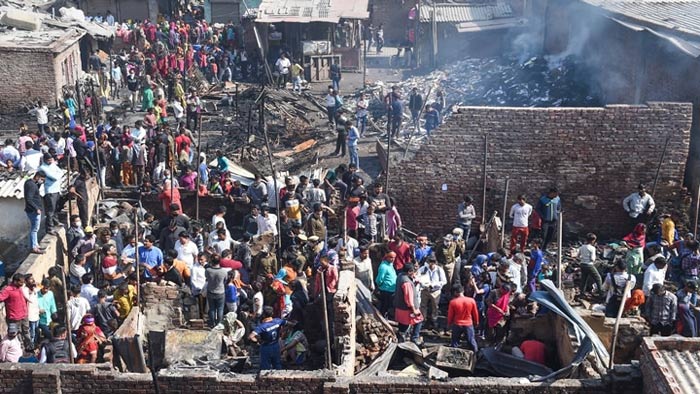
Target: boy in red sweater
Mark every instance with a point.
(462, 316)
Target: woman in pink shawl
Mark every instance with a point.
(393, 219)
(498, 312)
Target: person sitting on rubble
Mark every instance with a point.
(636, 242)
(615, 283)
(432, 119)
(295, 345)
(89, 337)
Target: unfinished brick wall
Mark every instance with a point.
(88, 379)
(26, 76)
(595, 156)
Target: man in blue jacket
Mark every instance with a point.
(549, 207)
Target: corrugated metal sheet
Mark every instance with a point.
(683, 367)
(456, 13)
(306, 11)
(12, 185)
(677, 15)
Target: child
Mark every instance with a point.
(536, 263)
(371, 224)
(231, 292)
(197, 237)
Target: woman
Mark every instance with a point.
(498, 312)
(393, 219)
(687, 307)
(636, 240)
(90, 337)
(299, 300)
(110, 265)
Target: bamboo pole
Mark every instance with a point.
(199, 163)
(559, 248)
(483, 193)
(697, 209)
(617, 324)
(329, 362)
(68, 324)
(505, 206)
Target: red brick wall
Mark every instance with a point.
(87, 379)
(599, 153)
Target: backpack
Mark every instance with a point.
(56, 354)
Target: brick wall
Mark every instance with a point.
(89, 379)
(596, 157)
(393, 14)
(26, 76)
(668, 364)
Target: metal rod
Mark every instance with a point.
(199, 163)
(68, 325)
(364, 63)
(559, 248)
(66, 154)
(272, 166)
(505, 206)
(389, 132)
(617, 324)
(238, 114)
(658, 168)
(697, 209)
(483, 194)
(480, 239)
(325, 319)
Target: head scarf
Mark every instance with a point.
(637, 238)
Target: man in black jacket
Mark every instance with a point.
(415, 104)
(32, 206)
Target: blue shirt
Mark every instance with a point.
(151, 257)
(386, 277)
(536, 260)
(231, 293)
(353, 136)
(269, 332)
(423, 253)
(549, 208)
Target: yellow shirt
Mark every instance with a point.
(668, 229)
(125, 301)
(297, 70)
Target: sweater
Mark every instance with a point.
(462, 311)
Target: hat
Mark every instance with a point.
(457, 231)
(88, 229)
(448, 237)
(302, 237)
(313, 238)
(12, 328)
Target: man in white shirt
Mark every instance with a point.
(31, 160)
(186, 250)
(267, 221)
(77, 308)
(518, 271)
(640, 203)
(363, 268)
(42, 117)
(520, 213)
(219, 216)
(655, 273)
(432, 277)
(283, 65)
(9, 152)
(88, 290)
(587, 258)
(109, 18)
(31, 294)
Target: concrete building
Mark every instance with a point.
(37, 65)
(127, 9)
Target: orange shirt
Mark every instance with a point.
(462, 311)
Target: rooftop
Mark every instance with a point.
(306, 11)
(674, 362)
(681, 16)
(457, 13)
(12, 184)
(49, 40)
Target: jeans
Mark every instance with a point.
(414, 116)
(43, 128)
(519, 233)
(589, 271)
(297, 84)
(386, 301)
(340, 146)
(331, 114)
(414, 329)
(35, 223)
(336, 84)
(429, 305)
(270, 356)
(458, 331)
(45, 331)
(50, 204)
(362, 124)
(34, 332)
(548, 230)
(216, 308)
(354, 158)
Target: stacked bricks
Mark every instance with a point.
(162, 302)
(344, 304)
(595, 156)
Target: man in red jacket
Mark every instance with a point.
(16, 307)
(462, 316)
(402, 250)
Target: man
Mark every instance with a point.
(386, 283)
(549, 207)
(518, 272)
(353, 138)
(615, 283)
(267, 334)
(297, 77)
(361, 113)
(32, 207)
(79, 190)
(639, 206)
(341, 141)
(106, 314)
(520, 212)
(446, 254)
(587, 258)
(47, 307)
(422, 250)
(11, 347)
(406, 302)
(16, 307)
(432, 281)
(77, 307)
(216, 290)
(402, 250)
(363, 268)
(394, 108)
(462, 317)
(688, 309)
(31, 294)
(655, 273)
(86, 247)
(42, 117)
(315, 226)
(336, 76)
(465, 214)
(150, 258)
(186, 250)
(415, 105)
(283, 64)
(661, 309)
(55, 351)
(267, 221)
(169, 237)
(52, 192)
(133, 84)
(333, 103)
(125, 299)
(257, 192)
